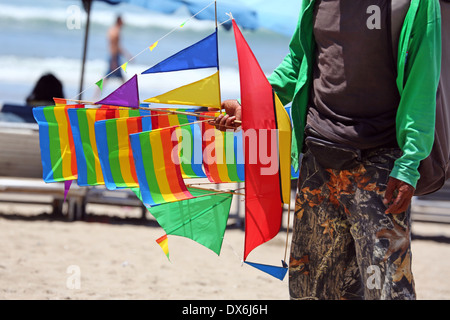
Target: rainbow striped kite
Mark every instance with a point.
(223, 157)
(189, 139)
(157, 166)
(82, 123)
(56, 143)
(114, 149)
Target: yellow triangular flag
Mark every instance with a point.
(202, 93)
(124, 66)
(164, 244)
(153, 46)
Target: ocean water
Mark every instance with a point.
(35, 39)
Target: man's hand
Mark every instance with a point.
(227, 121)
(398, 196)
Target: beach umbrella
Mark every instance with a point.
(280, 17)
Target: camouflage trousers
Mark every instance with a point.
(344, 246)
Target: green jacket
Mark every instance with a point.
(419, 63)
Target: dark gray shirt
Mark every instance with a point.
(354, 97)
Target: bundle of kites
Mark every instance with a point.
(121, 142)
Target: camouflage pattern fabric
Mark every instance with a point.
(344, 246)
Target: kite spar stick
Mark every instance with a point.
(77, 101)
(288, 226)
(216, 190)
(187, 113)
(203, 183)
(159, 110)
(287, 231)
(220, 193)
(217, 48)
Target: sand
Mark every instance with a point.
(43, 258)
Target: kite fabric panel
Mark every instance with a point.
(277, 272)
(82, 122)
(127, 95)
(202, 218)
(163, 242)
(202, 93)
(114, 148)
(56, 143)
(284, 141)
(203, 54)
(60, 102)
(157, 166)
(223, 154)
(267, 183)
(189, 139)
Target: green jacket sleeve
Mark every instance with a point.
(285, 77)
(417, 109)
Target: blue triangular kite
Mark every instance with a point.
(277, 272)
(202, 54)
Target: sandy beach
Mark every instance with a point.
(41, 256)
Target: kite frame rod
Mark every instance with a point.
(287, 231)
(187, 113)
(216, 190)
(157, 109)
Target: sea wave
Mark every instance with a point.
(20, 75)
(100, 17)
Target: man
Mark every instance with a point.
(363, 114)
(115, 49)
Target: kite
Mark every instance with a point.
(263, 114)
(159, 176)
(127, 95)
(202, 218)
(82, 122)
(164, 244)
(121, 142)
(56, 143)
(223, 154)
(189, 139)
(203, 93)
(114, 150)
(202, 54)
